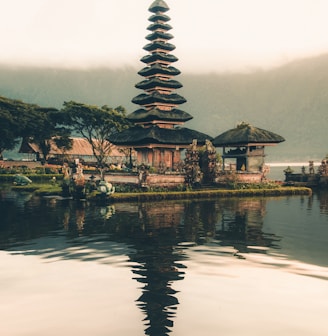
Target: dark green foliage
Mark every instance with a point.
(30, 122)
(43, 127)
(95, 124)
(12, 121)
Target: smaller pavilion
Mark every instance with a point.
(244, 146)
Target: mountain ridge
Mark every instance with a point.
(290, 100)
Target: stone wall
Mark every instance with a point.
(151, 180)
(239, 177)
(165, 180)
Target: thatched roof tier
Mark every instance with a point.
(80, 147)
(158, 69)
(159, 18)
(159, 57)
(156, 97)
(159, 45)
(158, 6)
(156, 82)
(174, 115)
(245, 134)
(159, 25)
(159, 35)
(139, 135)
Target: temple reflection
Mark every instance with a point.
(241, 226)
(231, 222)
(158, 267)
(158, 264)
(323, 198)
(151, 236)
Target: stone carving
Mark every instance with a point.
(323, 168)
(311, 167)
(209, 162)
(193, 172)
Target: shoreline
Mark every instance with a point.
(173, 195)
(201, 194)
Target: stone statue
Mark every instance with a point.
(311, 167)
(66, 185)
(106, 188)
(80, 180)
(192, 169)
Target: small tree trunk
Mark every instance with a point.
(102, 174)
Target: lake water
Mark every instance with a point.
(248, 266)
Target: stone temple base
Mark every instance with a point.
(240, 177)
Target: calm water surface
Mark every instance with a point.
(256, 266)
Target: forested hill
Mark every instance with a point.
(291, 100)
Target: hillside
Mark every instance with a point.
(291, 100)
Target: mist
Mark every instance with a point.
(290, 100)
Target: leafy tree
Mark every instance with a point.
(42, 128)
(95, 124)
(30, 122)
(10, 122)
(8, 131)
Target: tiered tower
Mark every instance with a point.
(159, 102)
(157, 136)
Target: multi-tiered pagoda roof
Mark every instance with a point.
(159, 87)
(159, 103)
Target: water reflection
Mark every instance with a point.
(323, 199)
(242, 227)
(157, 267)
(152, 239)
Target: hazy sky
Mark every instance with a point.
(210, 35)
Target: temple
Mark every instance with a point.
(157, 135)
(243, 150)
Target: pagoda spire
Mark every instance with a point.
(158, 135)
(159, 102)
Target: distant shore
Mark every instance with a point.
(291, 164)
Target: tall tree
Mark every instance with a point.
(95, 124)
(42, 128)
(8, 131)
(12, 121)
(32, 123)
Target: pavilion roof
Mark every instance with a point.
(245, 134)
(139, 135)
